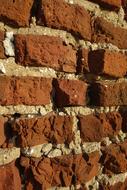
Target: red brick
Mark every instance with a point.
(24, 90)
(108, 93)
(106, 32)
(46, 129)
(83, 66)
(36, 50)
(64, 171)
(114, 158)
(70, 92)
(2, 54)
(61, 15)
(106, 62)
(3, 134)
(109, 4)
(15, 12)
(10, 177)
(94, 127)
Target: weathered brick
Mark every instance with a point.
(25, 90)
(70, 92)
(94, 127)
(3, 131)
(114, 158)
(106, 62)
(61, 15)
(2, 54)
(48, 51)
(63, 171)
(16, 13)
(109, 4)
(107, 32)
(83, 66)
(108, 93)
(10, 177)
(47, 129)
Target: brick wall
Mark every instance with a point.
(63, 95)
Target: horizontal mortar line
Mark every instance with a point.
(96, 46)
(51, 151)
(116, 18)
(10, 68)
(69, 111)
(25, 109)
(43, 110)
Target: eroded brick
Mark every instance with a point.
(114, 158)
(47, 51)
(95, 127)
(10, 177)
(61, 15)
(15, 12)
(108, 93)
(106, 62)
(2, 54)
(47, 129)
(25, 90)
(107, 32)
(70, 92)
(63, 171)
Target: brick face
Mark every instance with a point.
(114, 158)
(62, 171)
(50, 127)
(2, 54)
(10, 177)
(16, 13)
(95, 127)
(108, 93)
(105, 62)
(70, 92)
(51, 14)
(46, 129)
(47, 51)
(25, 90)
(3, 127)
(105, 31)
